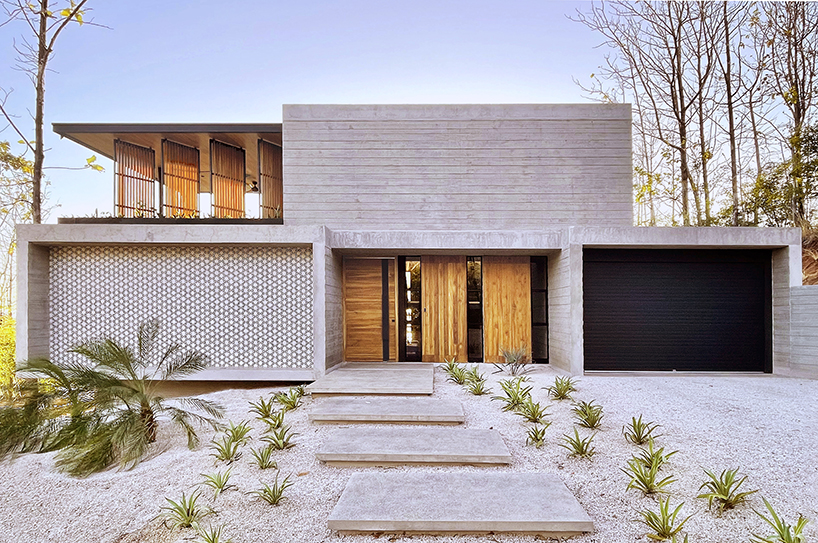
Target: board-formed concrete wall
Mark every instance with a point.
(457, 167)
(804, 329)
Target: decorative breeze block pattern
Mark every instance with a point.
(244, 307)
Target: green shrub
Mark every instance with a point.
(275, 493)
(274, 421)
(588, 414)
(638, 432)
(280, 439)
(723, 489)
(536, 435)
(218, 481)
(289, 400)
(663, 524)
(562, 388)
(515, 361)
(238, 433)
(577, 446)
(654, 457)
(263, 408)
(225, 449)
(264, 457)
(645, 478)
(184, 513)
(213, 534)
(514, 393)
(7, 346)
(532, 411)
(784, 533)
(458, 375)
(478, 388)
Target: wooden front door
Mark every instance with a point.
(506, 305)
(443, 298)
(365, 313)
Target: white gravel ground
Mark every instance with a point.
(766, 425)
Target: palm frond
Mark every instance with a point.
(108, 354)
(214, 409)
(188, 363)
(146, 339)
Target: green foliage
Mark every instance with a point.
(289, 400)
(238, 433)
(514, 393)
(265, 409)
(536, 435)
(650, 457)
(638, 432)
(645, 478)
(577, 446)
(184, 513)
(225, 449)
(562, 388)
(264, 457)
(531, 411)
(279, 440)
(723, 489)
(7, 350)
(450, 365)
(458, 375)
(515, 361)
(784, 533)
(478, 388)
(299, 390)
(275, 421)
(663, 523)
(588, 414)
(218, 481)
(474, 375)
(213, 534)
(107, 410)
(274, 494)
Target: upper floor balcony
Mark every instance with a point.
(188, 172)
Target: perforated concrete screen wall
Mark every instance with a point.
(244, 307)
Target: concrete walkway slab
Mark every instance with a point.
(396, 378)
(388, 410)
(468, 503)
(401, 445)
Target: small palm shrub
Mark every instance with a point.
(654, 457)
(238, 433)
(280, 439)
(783, 532)
(218, 481)
(263, 408)
(646, 478)
(275, 493)
(562, 388)
(515, 361)
(588, 414)
(289, 400)
(184, 513)
(212, 534)
(264, 457)
(663, 523)
(536, 435)
(107, 410)
(638, 432)
(225, 449)
(723, 490)
(577, 446)
(532, 411)
(514, 393)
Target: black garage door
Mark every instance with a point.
(684, 310)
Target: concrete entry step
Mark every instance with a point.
(388, 410)
(466, 502)
(395, 378)
(401, 445)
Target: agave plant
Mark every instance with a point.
(515, 361)
(577, 446)
(275, 493)
(562, 388)
(536, 435)
(184, 513)
(646, 478)
(458, 375)
(289, 400)
(663, 523)
(218, 481)
(107, 410)
(478, 388)
(650, 457)
(514, 393)
(263, 408)
(638, 432)
(588, 414)
(532, 411)
(723, 489)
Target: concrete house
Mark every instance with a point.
(406, 233)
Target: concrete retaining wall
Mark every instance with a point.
(804, 329)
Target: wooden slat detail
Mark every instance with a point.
(506, 304)
(443, 296)
(362, 310)
(180, 175)
(393, 312)
(227, 179)
(270, 180)
(134, 180)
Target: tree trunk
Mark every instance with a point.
(39, 153)
(731, 123)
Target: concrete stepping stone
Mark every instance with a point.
(397, 378)
(467, 503)
(401, 445)
(388, 410)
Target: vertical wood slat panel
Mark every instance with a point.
(180, 175)
(506, 305)
(134, 180)
(270, 168)
(393, 312)
(363, 320)
(443, 295)
(227, 169)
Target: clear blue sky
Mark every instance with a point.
(239, 61)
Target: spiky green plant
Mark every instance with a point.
(723, 490)
(218, 481)
(536, 435)
(458, 375)
(289, 400)
(184, 513)
(449, 365)
(263, 408)
(577, 446)
(784, 533)
(654, 457)
(588, 414)
(225, 449)
(299, 390)
(280, 439)
(646, 478)
(212, 534)
(532, 411)
(638, 432)
(264, 457)
(106, 410)
(274, 421)
(515, 361)
(275, 493)
(562, 388)
(663, 523)
(478, 388)
(238, 433)
(474, 375)
(514, 393)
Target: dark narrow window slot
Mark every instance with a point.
(409, 313)
(539, 309)
(474, 309)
